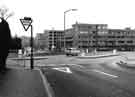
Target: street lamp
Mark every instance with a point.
(65, 24)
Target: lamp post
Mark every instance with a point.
(65, 25)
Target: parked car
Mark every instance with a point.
(72, 52)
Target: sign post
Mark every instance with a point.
(27, 22)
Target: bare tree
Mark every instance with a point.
(4, 13)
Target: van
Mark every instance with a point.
(72, 52)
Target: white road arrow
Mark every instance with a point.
(63, 69)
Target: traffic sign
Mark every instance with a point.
(26, 22)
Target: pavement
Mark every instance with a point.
(97, 55)
(130, 64)
(28, 58)
(22, 83)
(126, 59)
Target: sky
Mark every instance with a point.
(49, 14)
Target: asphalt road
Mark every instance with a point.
(89, 78)
(58, 59)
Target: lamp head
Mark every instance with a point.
(74, 9)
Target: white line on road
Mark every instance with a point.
(46, 84)
(101, 72)
(53, 65)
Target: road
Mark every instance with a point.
(89, 78)
(58, 59)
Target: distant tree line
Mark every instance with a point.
(16, 43)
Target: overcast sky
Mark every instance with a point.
(48, 14)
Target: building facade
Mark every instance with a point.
(41, 39)
(85, 36)
(99, 37)
(52, 39)
(121, 39)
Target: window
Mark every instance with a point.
(99, 27)
(130, 41)
(82, 32)
(120, 41)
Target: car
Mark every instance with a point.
(72, 52)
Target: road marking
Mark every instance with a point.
(52, 65)
(80, 66)
(46, 84)
(101, 72)
(63, 69)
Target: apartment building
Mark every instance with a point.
(52, 39)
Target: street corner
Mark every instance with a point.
(114, 62)
(127, 64)
(124, 62)
(118, 59)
